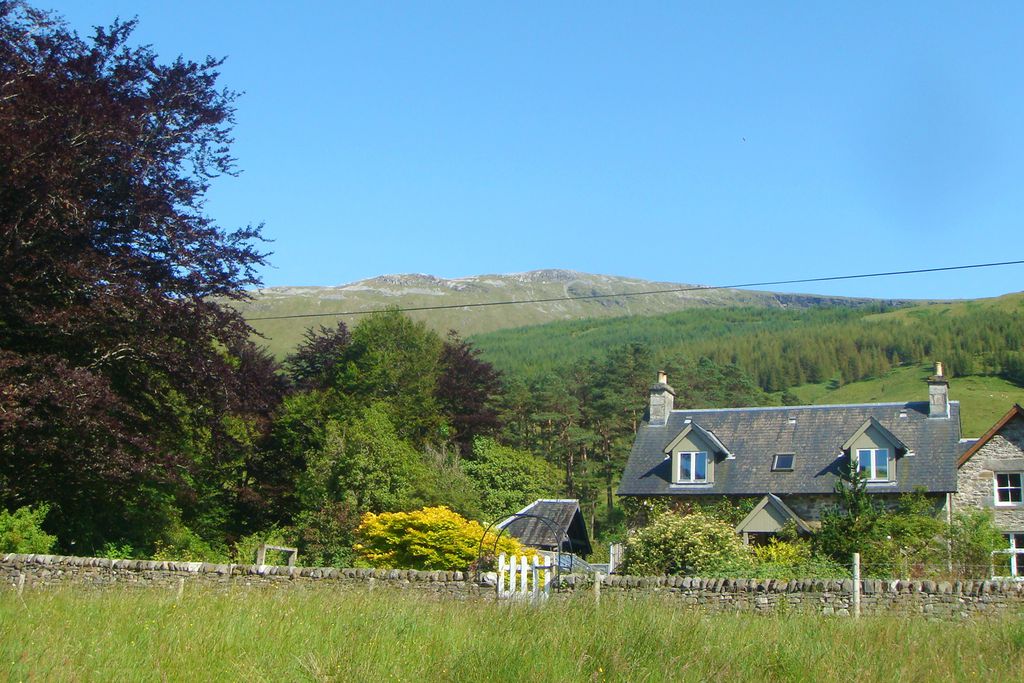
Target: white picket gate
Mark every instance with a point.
(519, 578)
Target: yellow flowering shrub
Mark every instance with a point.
(430, 538)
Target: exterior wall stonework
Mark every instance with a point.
(976, 477)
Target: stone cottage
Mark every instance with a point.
(791, 456)
(990, 475)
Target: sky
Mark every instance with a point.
(705, 143)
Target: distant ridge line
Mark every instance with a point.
(583, 297)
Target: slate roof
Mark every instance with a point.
(565, 516)
(815, 434)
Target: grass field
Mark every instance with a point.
(328, 635)
(983, 400)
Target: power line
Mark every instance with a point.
(702, 288)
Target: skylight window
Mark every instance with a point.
(783, 462)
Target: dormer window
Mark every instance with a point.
(874, 462)
(782, 462)
(692, 467)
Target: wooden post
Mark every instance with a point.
(261, 554)
(21, 583)
(856, 585)
(598, 578)
(181, 588)
(522, 576)
(501, 575)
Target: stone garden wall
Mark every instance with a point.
(829, 597)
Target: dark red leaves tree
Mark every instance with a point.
(466, 391)
(110, 347)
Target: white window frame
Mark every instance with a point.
(1016, 553)
(1008, 488)
(692, 457)
(873, 470)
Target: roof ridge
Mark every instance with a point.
(821, 406)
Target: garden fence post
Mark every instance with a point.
(856, 585)
(21, 583)
(597, 587)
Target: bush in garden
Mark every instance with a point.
(973, 536)
(21, 531)
(685, 544)
(430, 538)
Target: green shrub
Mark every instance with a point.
(685, 544)
(116, 551)
(21, 531)
(184, 545)
(245, 548)
(972, 538)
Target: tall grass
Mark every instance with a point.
(326, 634)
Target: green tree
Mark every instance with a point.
(396, 361)
(508, 479)
(21, 531)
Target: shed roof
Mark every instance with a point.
(564, 518)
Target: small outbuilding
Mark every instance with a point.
(552, 525)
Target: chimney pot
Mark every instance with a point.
(661, 401)
(938, 394)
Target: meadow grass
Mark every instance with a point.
(328, 634)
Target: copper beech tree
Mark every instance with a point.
(117, 365)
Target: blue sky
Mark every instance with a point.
(710, 143)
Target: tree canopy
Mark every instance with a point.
(116, 367)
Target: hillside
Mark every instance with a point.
(983, 400)
(464, 295)
(815, 355)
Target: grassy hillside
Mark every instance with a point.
(331, 635)
(983, 400)
(464, 295)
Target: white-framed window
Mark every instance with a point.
(691, 467)
(1009, 488)
(1016, 553)
(875, 462)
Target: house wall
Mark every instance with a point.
(810, 507)
(976, 477)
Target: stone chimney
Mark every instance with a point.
(938, 394)
(662, 396)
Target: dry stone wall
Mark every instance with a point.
(827, 597)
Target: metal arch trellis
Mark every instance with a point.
(547, 521)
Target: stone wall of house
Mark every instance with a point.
(976, 477)
(827, 597)
(810, 507)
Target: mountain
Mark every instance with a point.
(465, 294)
